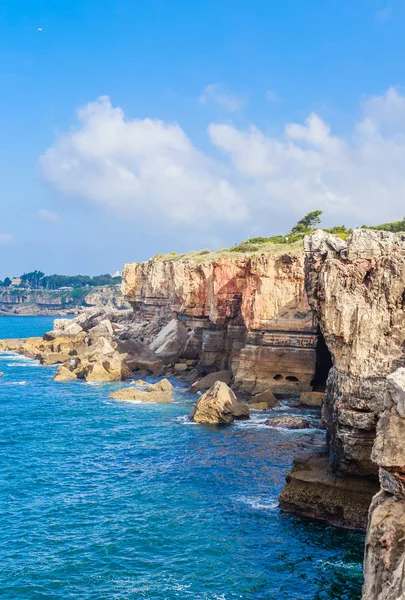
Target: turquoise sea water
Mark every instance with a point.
(102, 499)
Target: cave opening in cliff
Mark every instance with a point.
(322, 366)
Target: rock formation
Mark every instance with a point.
(356, 289)
(157, 392)
(219, 406)
(248, 315)
(384, 563)
(287, 422)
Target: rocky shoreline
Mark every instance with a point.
(249, 330)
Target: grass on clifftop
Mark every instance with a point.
(277, 244)
(238, 251)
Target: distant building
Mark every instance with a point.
(16, 281)
(117, 274)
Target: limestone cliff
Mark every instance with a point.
(249, 314)
(357, 291)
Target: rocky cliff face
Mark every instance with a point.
(357, 291)
(384, 563)
(248, 314)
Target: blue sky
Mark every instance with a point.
(202, 122)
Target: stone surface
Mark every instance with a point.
(163, 385)
(314, 491)
(356, 290)
(246, 314)
(53, 358)
(208, 381)
(286, 422)
(170, 342)
(219, 405)
(384, 563)
(312, 398)
(143, 395)
(263, 401)
(64, 374)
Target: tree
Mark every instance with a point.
(33, 279)
(307, 223)
(7, 282)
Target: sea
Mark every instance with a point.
(104, 499)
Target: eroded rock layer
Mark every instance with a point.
(249, 315)
(357, 291)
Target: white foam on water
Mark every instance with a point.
(340, 564)
(184, 420)
(15, 383)
(258, 503)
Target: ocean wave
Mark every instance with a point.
(15, 383)
(24, 364)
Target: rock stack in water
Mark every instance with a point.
(219, 406)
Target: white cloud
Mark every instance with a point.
(145, 165)
(217, 93)
(47, 215)
(360, 179)
(5, 238)
(133, 166)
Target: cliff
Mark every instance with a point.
(247, 314)
(357, 291)
(17, 301)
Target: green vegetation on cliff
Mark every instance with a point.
(291, 241)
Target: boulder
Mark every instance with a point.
(103, 330)
(312, 398)
(263, 401)
(64, 374)
(170, 342)
(98, 372)
(180, 367)
(219, 405)
(163, 385)
(208, 381)
(54, 358)
(72, 330)
(286, 422)
(61, 324)
(140, 382)
(142, 395)
(139, 356)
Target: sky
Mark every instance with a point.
(135, 127)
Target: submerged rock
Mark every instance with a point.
(219, 405)
(287, 422)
